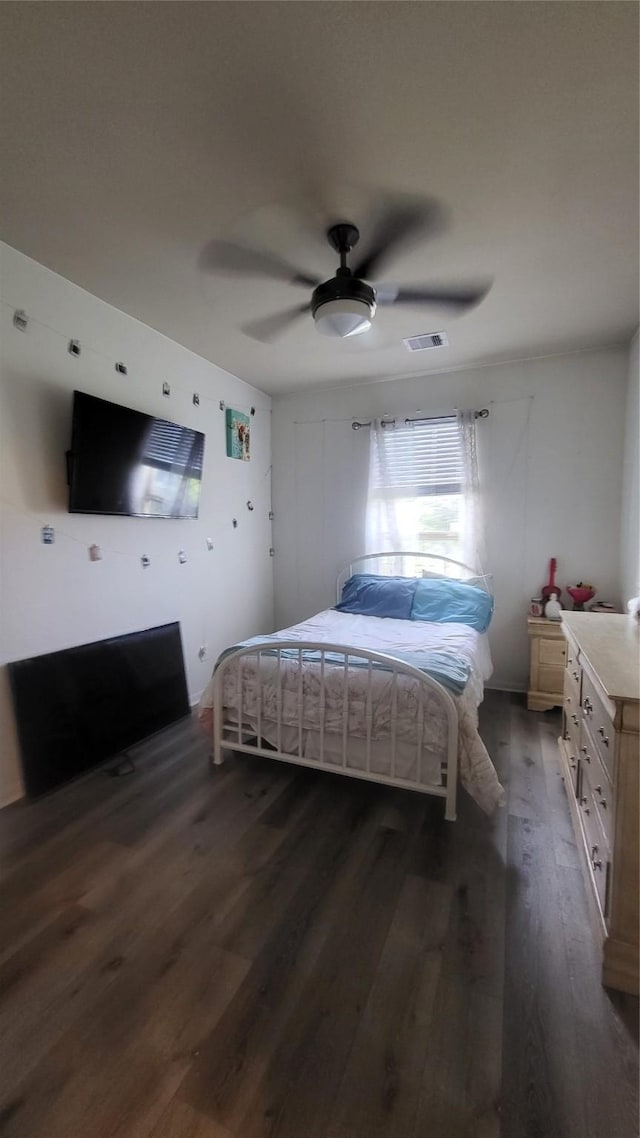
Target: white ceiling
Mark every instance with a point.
(133, 133)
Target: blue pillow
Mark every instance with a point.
(370, 595)
(443, 601)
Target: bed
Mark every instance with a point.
(373, 688)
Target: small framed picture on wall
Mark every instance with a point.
(238, 435)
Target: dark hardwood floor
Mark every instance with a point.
(266, 951)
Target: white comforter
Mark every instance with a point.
(476, 770)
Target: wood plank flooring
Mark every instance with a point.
(266, 952)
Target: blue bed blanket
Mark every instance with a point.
(448, 669)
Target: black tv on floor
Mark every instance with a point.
(129, 463)
(76, 708)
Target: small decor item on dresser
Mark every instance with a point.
(536, 606)
(553, 608)
(551, 586)
(603, 606)
(580, 594)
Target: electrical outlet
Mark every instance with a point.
(203, 652)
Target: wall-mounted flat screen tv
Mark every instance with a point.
(125, 462)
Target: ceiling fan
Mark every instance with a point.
(345, 304)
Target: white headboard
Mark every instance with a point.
(408, 564)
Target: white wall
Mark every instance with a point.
(53, 597)
(630, 544)
(551, 466)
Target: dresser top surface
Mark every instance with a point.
(611, 644)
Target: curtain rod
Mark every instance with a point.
(355, 426)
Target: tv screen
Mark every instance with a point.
(125, 462)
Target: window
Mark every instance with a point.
(416, 483)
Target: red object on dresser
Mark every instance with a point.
(551, 587)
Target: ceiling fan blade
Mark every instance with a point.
(386, 293)
(227, 257)
(465, 296)
(268, 328)
(398, 223)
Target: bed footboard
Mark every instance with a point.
(347, 710)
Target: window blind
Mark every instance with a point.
(172, 447)
(418, 458)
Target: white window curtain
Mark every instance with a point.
(472, 530)
(424, 488)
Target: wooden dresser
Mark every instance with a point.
(546, 673)
(600, 755)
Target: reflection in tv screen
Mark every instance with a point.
(126, 462)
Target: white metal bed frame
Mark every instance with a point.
(239, 736)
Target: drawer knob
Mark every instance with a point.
(587, 704)
(575, 719)
(583, 800)
(594, 850)
(597, 864)
(576, 676)
(605, 738)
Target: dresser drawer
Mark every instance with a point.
(573, 764)
(571, 725)
(595, 843)
(597, 780)
(573, 680)
(601, 731)
(571, 702)
(572, 658)
(552, 651)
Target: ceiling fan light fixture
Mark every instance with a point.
(344, 317)
(345, 304)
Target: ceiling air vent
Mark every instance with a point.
(432, 340)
